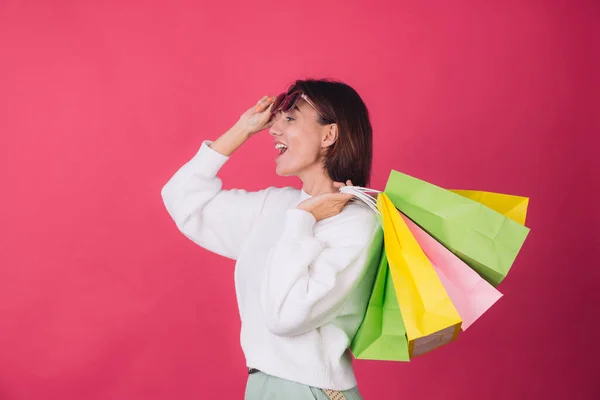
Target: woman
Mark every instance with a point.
(301, 279)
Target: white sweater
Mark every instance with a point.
(302, 286)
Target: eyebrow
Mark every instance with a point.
(294, 109)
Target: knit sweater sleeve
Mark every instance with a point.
(216, 219)
(308, 279)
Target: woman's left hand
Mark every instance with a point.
(328, 204)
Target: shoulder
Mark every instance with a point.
(356, 224)
(271, 198)
(282, 193)
(280, 197)
(358, 215)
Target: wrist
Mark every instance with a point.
(307, 209)
(301, 206)
(239, 132)
(230, 141)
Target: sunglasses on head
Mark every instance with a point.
(286, 102)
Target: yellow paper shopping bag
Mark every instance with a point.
(513, 207)
(430, 318)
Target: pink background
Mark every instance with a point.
(102, 298)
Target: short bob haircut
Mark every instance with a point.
(351, 156)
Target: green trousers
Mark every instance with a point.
(261, 386)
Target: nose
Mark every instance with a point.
(275, 129)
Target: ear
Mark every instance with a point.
(330, 135)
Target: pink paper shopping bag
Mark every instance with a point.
(471, 294)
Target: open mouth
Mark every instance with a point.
(281, 147)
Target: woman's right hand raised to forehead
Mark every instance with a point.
(258, 117)
(255, 119)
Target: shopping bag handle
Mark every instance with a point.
(362, 194)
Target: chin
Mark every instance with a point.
(282, 170)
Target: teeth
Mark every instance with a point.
(280, 146)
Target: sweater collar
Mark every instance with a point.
(304, 195)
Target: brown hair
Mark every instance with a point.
(350, 157)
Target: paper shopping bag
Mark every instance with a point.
(471, 294)
(483, 238)
(430, 318)
(513, 207)
(381, 335)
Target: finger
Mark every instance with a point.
(267, 110)
(265, 118)
(349, 183)
(266, 99)
(269, 123)
(343, 197)
(261, 101)
(344, 201)
(264, 102)
(338, 184)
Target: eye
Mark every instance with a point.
(289, 119)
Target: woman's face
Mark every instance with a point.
(299, 140)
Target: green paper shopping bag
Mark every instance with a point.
(483, 238)
(382, 335)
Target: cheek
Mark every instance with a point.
(309, 151)
(308, 148)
